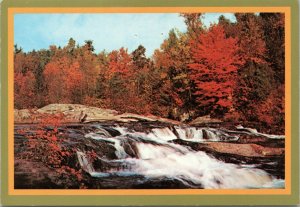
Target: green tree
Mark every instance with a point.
(273, 28)
(193, 23)
(254, 85)
(230, 28)
(172, 60)
(251, 37)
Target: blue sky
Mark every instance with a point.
(108, 31)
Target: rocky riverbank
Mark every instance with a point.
(98, 148)
(76, 113)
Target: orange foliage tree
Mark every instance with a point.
(89, 67)
(63, 80)
(120, 63)
(24, 92)
(119, 76)
(225, 68)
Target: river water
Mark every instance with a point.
(153, 158)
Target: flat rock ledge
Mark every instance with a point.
(249, 150)
(75, 113)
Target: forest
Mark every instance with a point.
(234, 71)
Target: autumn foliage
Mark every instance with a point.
(214, 69)
(230, 68)
(24, 89)
(63, 80)
(45, 144)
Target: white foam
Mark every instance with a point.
(193, 134)
(166, 159)
(196, 167)
(120, 152)
(255, 132)
(163, 133)
(84, 162)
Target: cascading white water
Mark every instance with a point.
(148, 151)
(196, 167)
(156, 158)
(163, 134)
(255, 132)
(191, 134)
(84, 162)
(160, 135)
(120, 152)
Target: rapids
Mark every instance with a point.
(153, 154)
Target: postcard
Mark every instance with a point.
(149, 103)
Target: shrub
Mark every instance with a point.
(44, 144)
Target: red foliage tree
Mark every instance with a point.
(215, 63)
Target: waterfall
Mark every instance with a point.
(198, 168)
(115, 141)
(158, 158)
(191, 134)
(84, 162)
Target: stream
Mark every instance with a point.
(164, 156)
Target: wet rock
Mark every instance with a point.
(260, 140)
(260, 151)
(164, 183)
(205, 135)
(130, 149)
(203, 120)
(269, 159)
(249, 150)
(33, 175)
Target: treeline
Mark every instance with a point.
(233, 71)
